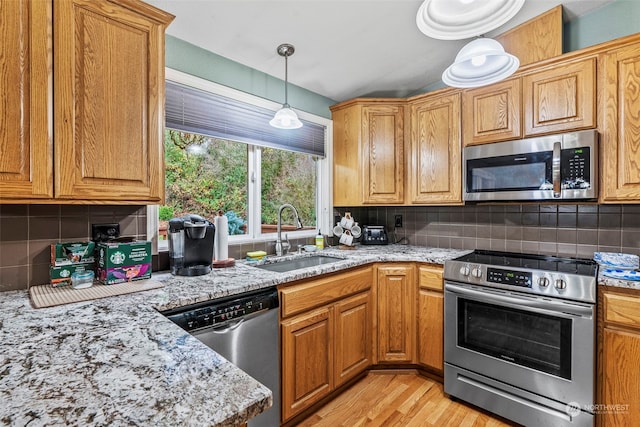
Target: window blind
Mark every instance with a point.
(194, 110)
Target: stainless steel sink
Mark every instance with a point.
(298, 263)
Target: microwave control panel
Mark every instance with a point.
(575, 168)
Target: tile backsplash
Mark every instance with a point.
(27, 231)
(576, 230)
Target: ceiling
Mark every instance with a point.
(344, 48)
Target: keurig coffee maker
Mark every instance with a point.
(190, 245)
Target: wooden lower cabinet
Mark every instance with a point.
(352, 337)
(430, 349)
(325, 336)
(307, 360)
(618, 373)
(396, 301)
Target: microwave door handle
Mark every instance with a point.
(555, 170)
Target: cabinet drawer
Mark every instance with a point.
(622, 310)
(298, 298)
(430, 277)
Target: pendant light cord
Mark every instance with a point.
(286, 79)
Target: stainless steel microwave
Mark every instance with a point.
(554, 167)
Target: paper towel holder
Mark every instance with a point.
(221, 263)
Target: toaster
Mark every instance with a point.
(374, 235)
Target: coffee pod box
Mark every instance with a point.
(61, 275)
(119, 262)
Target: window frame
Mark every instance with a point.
(324, 176)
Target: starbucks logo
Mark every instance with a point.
(117, 257)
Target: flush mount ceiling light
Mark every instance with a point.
(462, 19)
(481, 62)
(285, 118)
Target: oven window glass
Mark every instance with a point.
(530, 171)
(534, 340)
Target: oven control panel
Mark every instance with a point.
(509, 277)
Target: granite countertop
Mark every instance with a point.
(118, 361)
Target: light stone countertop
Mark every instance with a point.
(118, 361)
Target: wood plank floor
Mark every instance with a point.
(401, 400)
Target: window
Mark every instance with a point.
(218, 159)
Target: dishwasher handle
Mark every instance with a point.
(227, 327)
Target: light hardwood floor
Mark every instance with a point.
(400, 400)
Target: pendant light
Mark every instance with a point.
(285, 118)
(482, 61)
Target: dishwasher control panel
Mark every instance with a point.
(220, 312)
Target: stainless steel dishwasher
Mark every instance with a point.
(244, 330)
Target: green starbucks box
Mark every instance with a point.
(119, 262)
(61, 275)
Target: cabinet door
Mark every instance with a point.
(396, 299)
(560, 99)
(383, 153)
(347, 156)
(26, 167)
(307, 360)
(431, 318)
(435, 151)
(352, 337)
(619, 144)
(492, 113)
(109, 109)
(621, 377)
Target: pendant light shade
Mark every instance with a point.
(481, 62)
(285, 118)
(462, 19)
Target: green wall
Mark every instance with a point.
(191, 59)
(618, 19)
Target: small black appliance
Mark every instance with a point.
(190, 245)
(374, 235)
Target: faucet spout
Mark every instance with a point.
(281, 247)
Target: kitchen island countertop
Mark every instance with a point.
(118, 361)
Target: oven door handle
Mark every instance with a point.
(531, 304)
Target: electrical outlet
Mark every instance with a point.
(398, 221)
(104, 232)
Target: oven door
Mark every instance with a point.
(542, 345)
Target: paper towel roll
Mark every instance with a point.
(221, 239)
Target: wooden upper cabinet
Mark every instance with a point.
(620, 125)
(26, 166)
(561, 98)
(434, 172)
(109, 109)
(492, 113)
(383, 153)
(347, 156)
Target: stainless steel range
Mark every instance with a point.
(520, 336)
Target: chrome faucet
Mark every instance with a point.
(282, 248)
